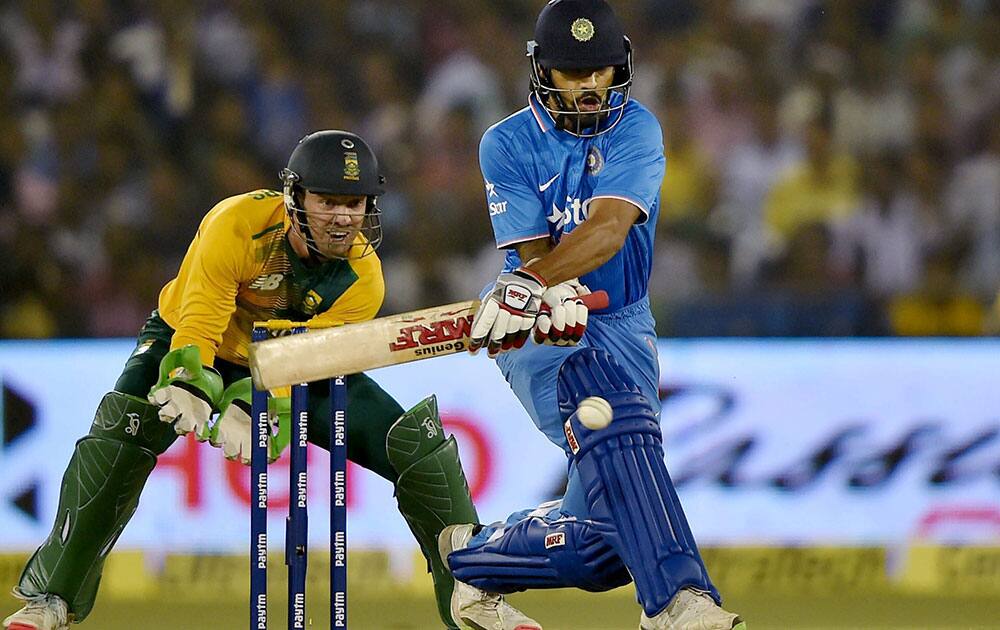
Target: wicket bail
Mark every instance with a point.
(296, 525)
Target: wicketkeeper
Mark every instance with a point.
(306, 253)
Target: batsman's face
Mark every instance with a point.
(587, 89)
(334, 221)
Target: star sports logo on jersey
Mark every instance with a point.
(496, 207)
(574, 213)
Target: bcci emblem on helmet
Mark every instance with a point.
(352, 171)
(583, 30)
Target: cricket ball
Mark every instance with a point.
(594, 413)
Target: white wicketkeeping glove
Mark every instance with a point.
(186, 391)
(233, 431)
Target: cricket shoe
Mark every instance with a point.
(474, 607)
(691, 609)
(44, 612)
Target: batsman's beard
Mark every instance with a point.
(586, 109)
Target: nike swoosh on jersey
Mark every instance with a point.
(546, 185)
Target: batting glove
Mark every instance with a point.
(563, 317)
(507, 315)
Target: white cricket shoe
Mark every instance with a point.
(691, 609)
(45, 612)
(474, 607)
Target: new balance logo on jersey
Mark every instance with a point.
(268, 282)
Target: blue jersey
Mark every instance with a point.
(540, 182)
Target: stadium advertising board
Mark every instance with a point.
(769, 442)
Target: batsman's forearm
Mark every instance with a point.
(581, 251)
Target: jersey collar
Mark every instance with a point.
(542, 115)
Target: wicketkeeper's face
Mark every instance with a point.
(334, 221)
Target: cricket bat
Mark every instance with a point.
(327, 352)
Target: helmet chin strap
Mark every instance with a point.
(311, 247)
(371, 228)
(301, 222)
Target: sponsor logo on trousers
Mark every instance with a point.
(557, 539)
(571, 438)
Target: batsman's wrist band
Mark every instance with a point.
(524, 271)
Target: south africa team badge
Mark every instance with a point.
(352, 171)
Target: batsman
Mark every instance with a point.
(306, 253)
(572, 182)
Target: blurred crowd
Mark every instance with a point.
(833, 167)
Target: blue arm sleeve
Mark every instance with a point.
(515, 206)
(635, 164)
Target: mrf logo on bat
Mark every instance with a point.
(451, 333)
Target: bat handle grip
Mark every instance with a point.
(593, 301)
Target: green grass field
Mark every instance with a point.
(775, 589)
(569, 610)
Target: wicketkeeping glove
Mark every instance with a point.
(507, 315)
(234, 431)
(186, 392)
(563, 318)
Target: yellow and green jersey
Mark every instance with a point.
(240, 269)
